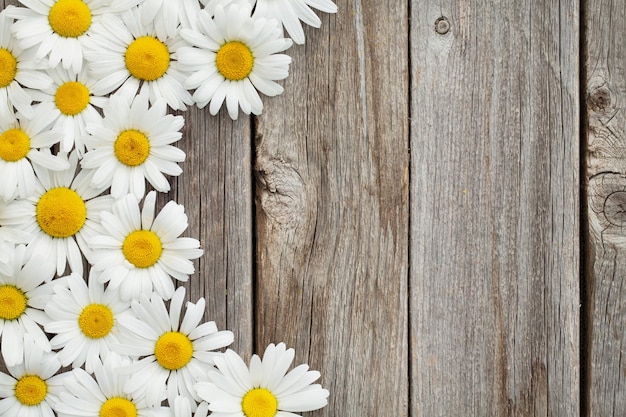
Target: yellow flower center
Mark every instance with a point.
(173, 350)
(12, 302)
(61, 212)
(31, 390)
(118, 407)
(234, 60)
(72, 98)
(14, 145)
(96, 321)
(8, 67)
(259, 402)
(147, 58)
(69, 18)
(132, 147)
(142, 248)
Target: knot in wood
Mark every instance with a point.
(283, 194)
(442, 25)
(615, 208)
(599, 99)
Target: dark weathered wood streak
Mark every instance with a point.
(494, 213)
(605, 64)
(332, 209)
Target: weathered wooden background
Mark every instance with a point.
(433, 213)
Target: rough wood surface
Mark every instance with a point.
(605, 83)
(332, 209)
(495, 209)
(216, 190)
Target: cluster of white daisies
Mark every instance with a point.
(86, 87)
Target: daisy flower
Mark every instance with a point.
(103, 394)
(132, 145)
(130, 55)
(290, 12)
(83, 319)
(264, 389)
(72, 97)
(57, 29)
(23, 296)
(232, 56)
(17, 68)
(32, 387)
(20, 142)
(142, 253)
(61, 215)
(173, 354)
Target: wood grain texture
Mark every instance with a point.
(494, 209)
(332, 209)
(605, 83)
(216, 190)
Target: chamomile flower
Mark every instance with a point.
(20, 142)
(263, 390)
(23, 296)
(290, 12)
(103, 395)
(141, 253)
(84, 319)
(57, 29)
(73, 98)
(172, 354)
(127, 54)
(132, 145)
(232, 56)
(17, 68)
(32, 387)
(61, 215)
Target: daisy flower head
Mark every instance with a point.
(32, 387)
(73, 98)
(265, 389)
(141, 253)
(23, 295)
(173, 353)
(24, 144)
(291, 12)
(18, 69)
(134, 144)
(232, 55)
(62, 214)
(57, 29)
(83, 319)
(128, 56)
(103, 395)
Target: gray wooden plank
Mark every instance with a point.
(605, 92)
(494, 208)
(215, 189)
(332, 209)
